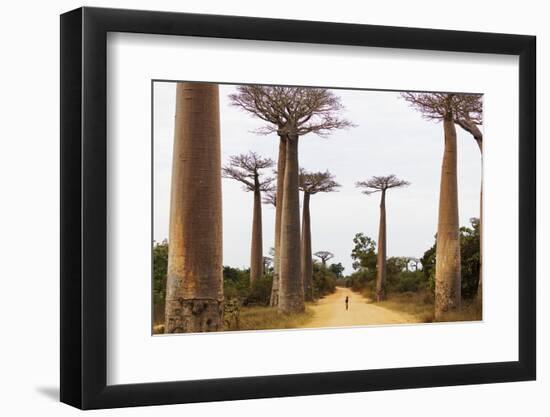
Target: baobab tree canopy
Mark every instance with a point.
(435, 106)
(466, 110)
(324, 256)
(377, 184)
(293, 111)
(245, 168)
(317, 182)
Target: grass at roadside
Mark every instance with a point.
(261, 318)
(470, 311)
(265, 318)
(420, 305)
(416, 304)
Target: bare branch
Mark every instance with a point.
(471, 127)
(270, 197)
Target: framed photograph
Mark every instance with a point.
(259, 208)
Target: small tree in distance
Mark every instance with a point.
(324, 256)
(381, 185)
(337, 269)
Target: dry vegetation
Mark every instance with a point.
(421, 305)
(265, 318)
(261, 318)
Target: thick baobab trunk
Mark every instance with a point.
(307, 263)
(256, 249)
(381, 256)
(274, 301)
(291, 287)
(194, 288)
(447, 267)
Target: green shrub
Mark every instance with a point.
(469, 260)
(260, 293)
(324, 281)
(409, 281)
(236, 283)
(160, 266)
(360, 279)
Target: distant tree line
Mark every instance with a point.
(403, 274)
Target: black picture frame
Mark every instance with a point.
(84, 207)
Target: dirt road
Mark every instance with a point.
(331, 312)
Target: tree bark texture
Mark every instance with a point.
(274, 301)
(479, 293)
(256, 249)
(447, 268)
(194, 293)
(307, 262)
(291, 287)
(381, 255)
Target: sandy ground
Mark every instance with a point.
(331, 312)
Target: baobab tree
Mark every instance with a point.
(311, 183)
(290, 112)
(270, 198)
(194, 287)
(469, 117)
(381, 185)
(246, 169)
(324, 256)
(446, 107)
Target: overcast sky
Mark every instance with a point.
(390, 138)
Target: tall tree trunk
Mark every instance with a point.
(307, 262)
(479, 293)
(291, 287)
(447, 267)
(274, 301)
(381, 256)
(256, 249)
(194, 288)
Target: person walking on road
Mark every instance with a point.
(347, 303)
